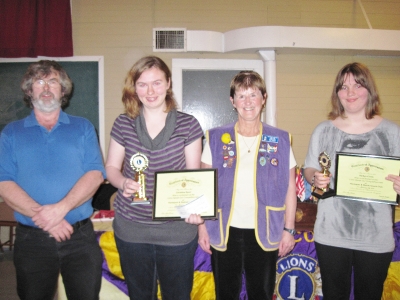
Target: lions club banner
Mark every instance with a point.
(297, 274)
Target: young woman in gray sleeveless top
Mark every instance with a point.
(353, 236)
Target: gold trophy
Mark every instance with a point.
(325, 163)
(139, 163)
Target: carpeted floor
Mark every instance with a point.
(7, 276)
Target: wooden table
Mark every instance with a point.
(7, 220)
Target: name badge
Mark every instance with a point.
(270, 139)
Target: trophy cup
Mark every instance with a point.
(325, 163)
(139, 163)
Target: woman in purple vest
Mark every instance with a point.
(256, 195)
(152, 136)
(357, 234)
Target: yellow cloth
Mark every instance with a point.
(203, 286)
(107, 244)
(397, 214)
(391, 288)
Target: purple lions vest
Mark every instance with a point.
(272, 181)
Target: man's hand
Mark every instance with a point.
(48, 216)
(62, 231)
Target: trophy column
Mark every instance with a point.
(139, 163)
(325, 163)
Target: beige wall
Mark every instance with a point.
(121, 31)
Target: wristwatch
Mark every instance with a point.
(291, 231)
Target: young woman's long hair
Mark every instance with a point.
(363, 76)
(130, 99)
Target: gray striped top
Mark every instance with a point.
(171, 157)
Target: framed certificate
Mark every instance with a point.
(362, 177)
(177, 194)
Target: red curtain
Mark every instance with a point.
(31, 28)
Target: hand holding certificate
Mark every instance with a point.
(396, 182)
(177, 194)
(197, 206)
(363, 177)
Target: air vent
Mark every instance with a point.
(169, 39)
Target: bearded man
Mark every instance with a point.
(50, 167)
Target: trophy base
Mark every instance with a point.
(137, 201)
(320, 194)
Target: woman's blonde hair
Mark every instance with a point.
(363, 76)
(130, 98)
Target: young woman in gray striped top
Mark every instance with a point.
(171, 140)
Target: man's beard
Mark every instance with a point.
(48, 106)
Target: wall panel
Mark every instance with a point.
(121, 31)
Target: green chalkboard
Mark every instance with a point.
(84, 101)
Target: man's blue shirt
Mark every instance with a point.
(47, 164)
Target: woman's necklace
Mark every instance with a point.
(243, 138)
(249, 148)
